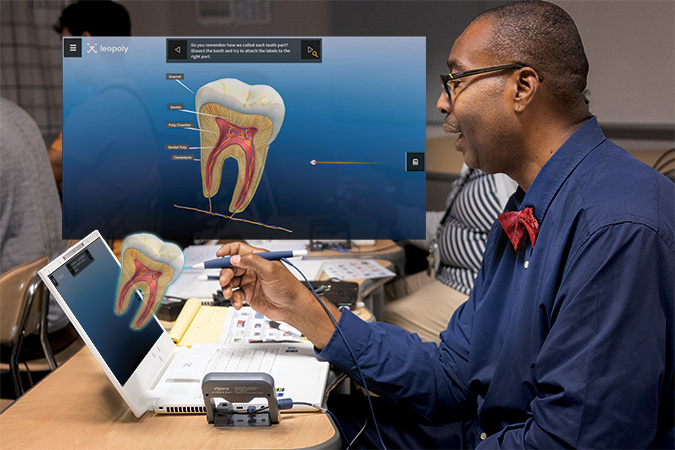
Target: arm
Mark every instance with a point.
(418, 376)
(396, 364)
(603, 371)
(55, 152)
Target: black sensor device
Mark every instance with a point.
(340, 293)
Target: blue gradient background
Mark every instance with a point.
(91, 297)
(364, 102)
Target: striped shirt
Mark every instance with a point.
(475, 201)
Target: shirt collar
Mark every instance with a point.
(557, 169)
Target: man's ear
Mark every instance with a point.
(527, 84)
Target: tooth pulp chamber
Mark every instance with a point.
(230, 135)
(150, 276)
(239, 121)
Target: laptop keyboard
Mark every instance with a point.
(243, 360)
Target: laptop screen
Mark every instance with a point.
(88, 284)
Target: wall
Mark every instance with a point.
(630, 45)
(631, 49)
(180, 18)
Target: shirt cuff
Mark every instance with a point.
(356, 330)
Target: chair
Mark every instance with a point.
(24, 302)
(666, 163)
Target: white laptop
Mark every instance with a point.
(146, 367)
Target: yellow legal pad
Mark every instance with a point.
(198, 324)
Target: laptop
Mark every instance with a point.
(145, 366)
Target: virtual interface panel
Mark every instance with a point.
(255, 138)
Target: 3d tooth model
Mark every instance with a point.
(239, 121)
(151, 265)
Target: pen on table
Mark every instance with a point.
(285, 328)
(221, 263)
(209, 277)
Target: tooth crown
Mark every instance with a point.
(157, 250)
(248, 99)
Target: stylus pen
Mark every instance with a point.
(222, 263)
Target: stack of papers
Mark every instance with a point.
(202, 324)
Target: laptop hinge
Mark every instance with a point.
(165, 367)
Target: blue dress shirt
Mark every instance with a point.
(571, 343)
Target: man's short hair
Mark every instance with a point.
(543, 36)
(98, 17)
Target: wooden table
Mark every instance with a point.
(77, 407)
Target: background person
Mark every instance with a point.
(456, 242)
(86, 18)
(30, 212)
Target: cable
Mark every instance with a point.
(322, 409)
(288, 403)
(351, 352)
(358, 435)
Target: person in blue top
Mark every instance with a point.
(567, 338)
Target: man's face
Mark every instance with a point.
(478, 109)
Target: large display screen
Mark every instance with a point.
(254, 138)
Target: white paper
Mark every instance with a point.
(356, 269)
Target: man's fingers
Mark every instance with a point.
(228, 249)
(238, 298)
(262, 267)
(227, 275)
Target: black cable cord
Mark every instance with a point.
(351, 352)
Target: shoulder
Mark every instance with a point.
(18, 130)
(611, 187)
(13, 115)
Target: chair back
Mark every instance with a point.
(17, 287)
(666, 164)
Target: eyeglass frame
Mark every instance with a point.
(445, 79)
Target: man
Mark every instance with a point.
(567, 338)
(30, 211)
(86, 18)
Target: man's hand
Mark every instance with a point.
(272, 290)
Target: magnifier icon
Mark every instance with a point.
(315, 54)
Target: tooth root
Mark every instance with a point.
(150, 276)
(231, 134)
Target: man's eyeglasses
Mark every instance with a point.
(446, 79)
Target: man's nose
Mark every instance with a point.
(443, 104)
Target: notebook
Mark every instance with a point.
(148, 370)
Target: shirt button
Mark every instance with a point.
(483, 436)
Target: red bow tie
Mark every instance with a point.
(516, 222)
